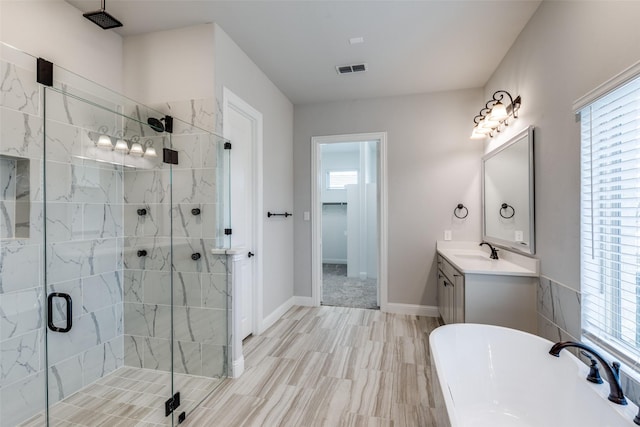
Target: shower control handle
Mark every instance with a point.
(195, 211)
(50, 323)
(196, 256)
(142, 252)
(142, 212)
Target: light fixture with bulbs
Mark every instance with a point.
(495, 114)
(105, 142)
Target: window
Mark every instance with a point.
(336, 180)
(610, 220)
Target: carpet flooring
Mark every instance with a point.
(342, 291)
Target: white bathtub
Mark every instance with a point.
(492, 376)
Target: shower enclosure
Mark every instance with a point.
(113, 301)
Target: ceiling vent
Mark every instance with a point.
(350, 69)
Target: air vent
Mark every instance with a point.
(349, 69)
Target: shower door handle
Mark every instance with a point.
(67, 298)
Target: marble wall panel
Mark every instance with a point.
(22, 399)
(20, 357)
(154, 223)
(72, 111)
(65, 378)
(69, 260)
(147, 320)
(64, 222)
(214, 360)
(196, 112)
(158, 256)
(89, 330)
(84, 182)
(193, 186)
(102, 359)
(101, 291)
(19, 89)
(20, 134)
(21, 312)
(560, 309)
(214, 290)
(19, 266)
(147, 186)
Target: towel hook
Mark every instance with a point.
(461, 207)
(505, 207)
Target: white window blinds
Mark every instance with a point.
(610, 220)
(337, 180)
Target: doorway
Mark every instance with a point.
(349, 238)
(242, 125)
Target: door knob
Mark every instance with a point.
(250, 254)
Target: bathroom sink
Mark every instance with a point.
(473, 257)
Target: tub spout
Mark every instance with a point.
(612, 371)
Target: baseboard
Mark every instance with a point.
(411, 309)
(303, 301)
(276, 314)
(238, 368)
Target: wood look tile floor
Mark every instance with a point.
(329, 366)
(127, 397)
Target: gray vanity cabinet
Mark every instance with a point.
(450, 292)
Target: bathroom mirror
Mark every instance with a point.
(508, 194)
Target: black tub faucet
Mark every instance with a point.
(612, 371)
(494, 251)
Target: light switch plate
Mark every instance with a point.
(447, 234)
(307, 216)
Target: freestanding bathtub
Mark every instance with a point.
(492, 376)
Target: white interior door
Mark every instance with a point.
(241, 132)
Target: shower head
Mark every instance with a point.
(102, 18)
(155, 124)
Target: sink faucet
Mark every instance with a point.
(494, 251)
(612, 371)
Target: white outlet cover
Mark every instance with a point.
(447, 234)
(519, 236)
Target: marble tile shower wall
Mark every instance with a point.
(181, 212)
(559, 319)
(84, 243)
(200, 285)
(21, 297)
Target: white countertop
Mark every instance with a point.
(470, 258)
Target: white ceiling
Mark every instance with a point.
(410, 46)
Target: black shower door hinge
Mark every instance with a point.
(227, 231)
(227, 146)
(171, 404)
(44, 72)
(169, 156)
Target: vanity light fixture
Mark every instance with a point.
(150, 152)
(104, 141)
(136, 149)
(122, 146)
(495, 114)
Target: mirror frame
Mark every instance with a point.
(508, 244)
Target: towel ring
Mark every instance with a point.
(505, 207)
(460, 207)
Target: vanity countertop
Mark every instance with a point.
(469, 258)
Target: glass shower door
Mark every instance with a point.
(108, 257)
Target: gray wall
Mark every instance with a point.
(235, 70)
(432, 166)
(566, 50)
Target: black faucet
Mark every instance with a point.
(612, 371)
(494, 251)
